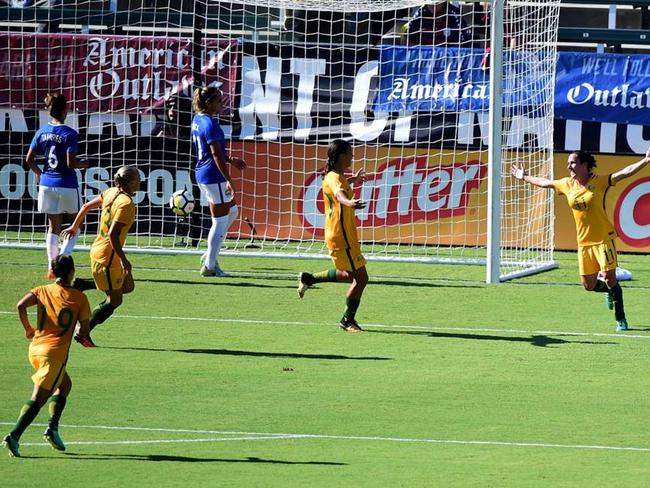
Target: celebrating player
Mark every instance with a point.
(341, 233)
(58, 191)
(212, 173)
(585, 192)
(60, 307)
(110, 267)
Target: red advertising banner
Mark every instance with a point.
(413, 196)
(108, 73)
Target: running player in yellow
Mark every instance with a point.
(60, 307)
(110, 267)
(585, 192)
(341, 233)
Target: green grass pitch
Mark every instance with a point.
(236, 382)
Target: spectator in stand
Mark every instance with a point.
(438, 24)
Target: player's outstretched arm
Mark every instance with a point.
(349, 202)
(81, 216)
(29, 300)
(632, 168)
(520, 174)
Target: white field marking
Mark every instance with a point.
(164, 441)
(271, 435)
(378, 326)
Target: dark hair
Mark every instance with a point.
(55, 103)
(202, 96)
(124, 175)
(337, 147)
(62, 266)
(586, 158)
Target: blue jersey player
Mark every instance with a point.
(58, 191)
(212, 173)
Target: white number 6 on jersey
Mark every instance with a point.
(52, 160)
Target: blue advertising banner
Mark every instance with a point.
(438, 79)
(603, 87)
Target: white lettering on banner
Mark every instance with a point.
(599, 66)
(403, 191)
(613, 97)
(405, 90)
(129, 57)
(360, 129)
(256, 101)
(307, 71)
(12, 181)
(632, 214)
(17, 182)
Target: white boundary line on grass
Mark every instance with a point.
(623, 335)
(246, 436)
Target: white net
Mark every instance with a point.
(406, 83)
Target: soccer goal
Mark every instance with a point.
(438, 100)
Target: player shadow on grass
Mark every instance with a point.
(534, 340)
(231, 352)
(187, 459)
(209, 281)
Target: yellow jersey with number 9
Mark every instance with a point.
(59, 309)
(340, 221)
(117, 206)
(588, 206)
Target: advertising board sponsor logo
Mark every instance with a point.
(402, 191)
(632, 214)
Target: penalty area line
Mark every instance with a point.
(244, 436)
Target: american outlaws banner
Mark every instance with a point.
(603, 87)
(426, 78)
(107, 73)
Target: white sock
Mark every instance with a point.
(69, 243)
(215, 238)
(232, 215)
(52, 247)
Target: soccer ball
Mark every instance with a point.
(181, 203)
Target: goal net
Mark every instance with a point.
(407, 83)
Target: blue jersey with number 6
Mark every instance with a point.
(55, 141)
(205, 131)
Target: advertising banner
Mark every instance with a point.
(107, 73)
(627, 205)
(413, 197)
(603, 87)
(439, 79)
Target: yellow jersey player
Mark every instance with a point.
(60, 307)
(585, 193)
(341, 233)
(110, 267)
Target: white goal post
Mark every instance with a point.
(436, 119)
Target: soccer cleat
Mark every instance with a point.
(609, 300)
(349, 325)
(305, 280)
(12, 444)
(220, 272)
(621, 325)
(85, 341)
(205, 271)
(54, 439)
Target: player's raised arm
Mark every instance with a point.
(631, 169)
(349, 202)
(81, 216)
(520, 174)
